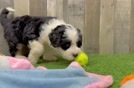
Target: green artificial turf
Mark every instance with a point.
(116, 65)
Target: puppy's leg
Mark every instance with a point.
(19, 51)
(22, 51)
(12, 48)
(36, 50)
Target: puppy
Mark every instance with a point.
(40, 36)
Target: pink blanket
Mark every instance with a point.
(7, 62)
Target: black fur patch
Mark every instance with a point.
(58, 38)
(27, 28)
(4, 13)
(79, 42)
(21, 30)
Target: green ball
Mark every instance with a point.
(82, 59)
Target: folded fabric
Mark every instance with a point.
(26, 76)
(7, 62)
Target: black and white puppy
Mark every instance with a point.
(37, 33)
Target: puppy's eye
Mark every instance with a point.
(79, 43)
(65, 46)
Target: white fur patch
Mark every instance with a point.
(68, 54)
(36, 51)
(72, 34)
(10, 9)
(47, 28)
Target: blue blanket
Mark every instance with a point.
(58, 78)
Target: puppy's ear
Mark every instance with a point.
(79, 32)
(79, 41)
(56, 35)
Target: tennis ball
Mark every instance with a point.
(82, 59)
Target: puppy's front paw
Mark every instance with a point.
(32, 59)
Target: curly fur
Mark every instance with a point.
(35, 32)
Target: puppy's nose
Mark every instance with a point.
(75, 55)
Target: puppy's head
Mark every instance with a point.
(67, 40)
